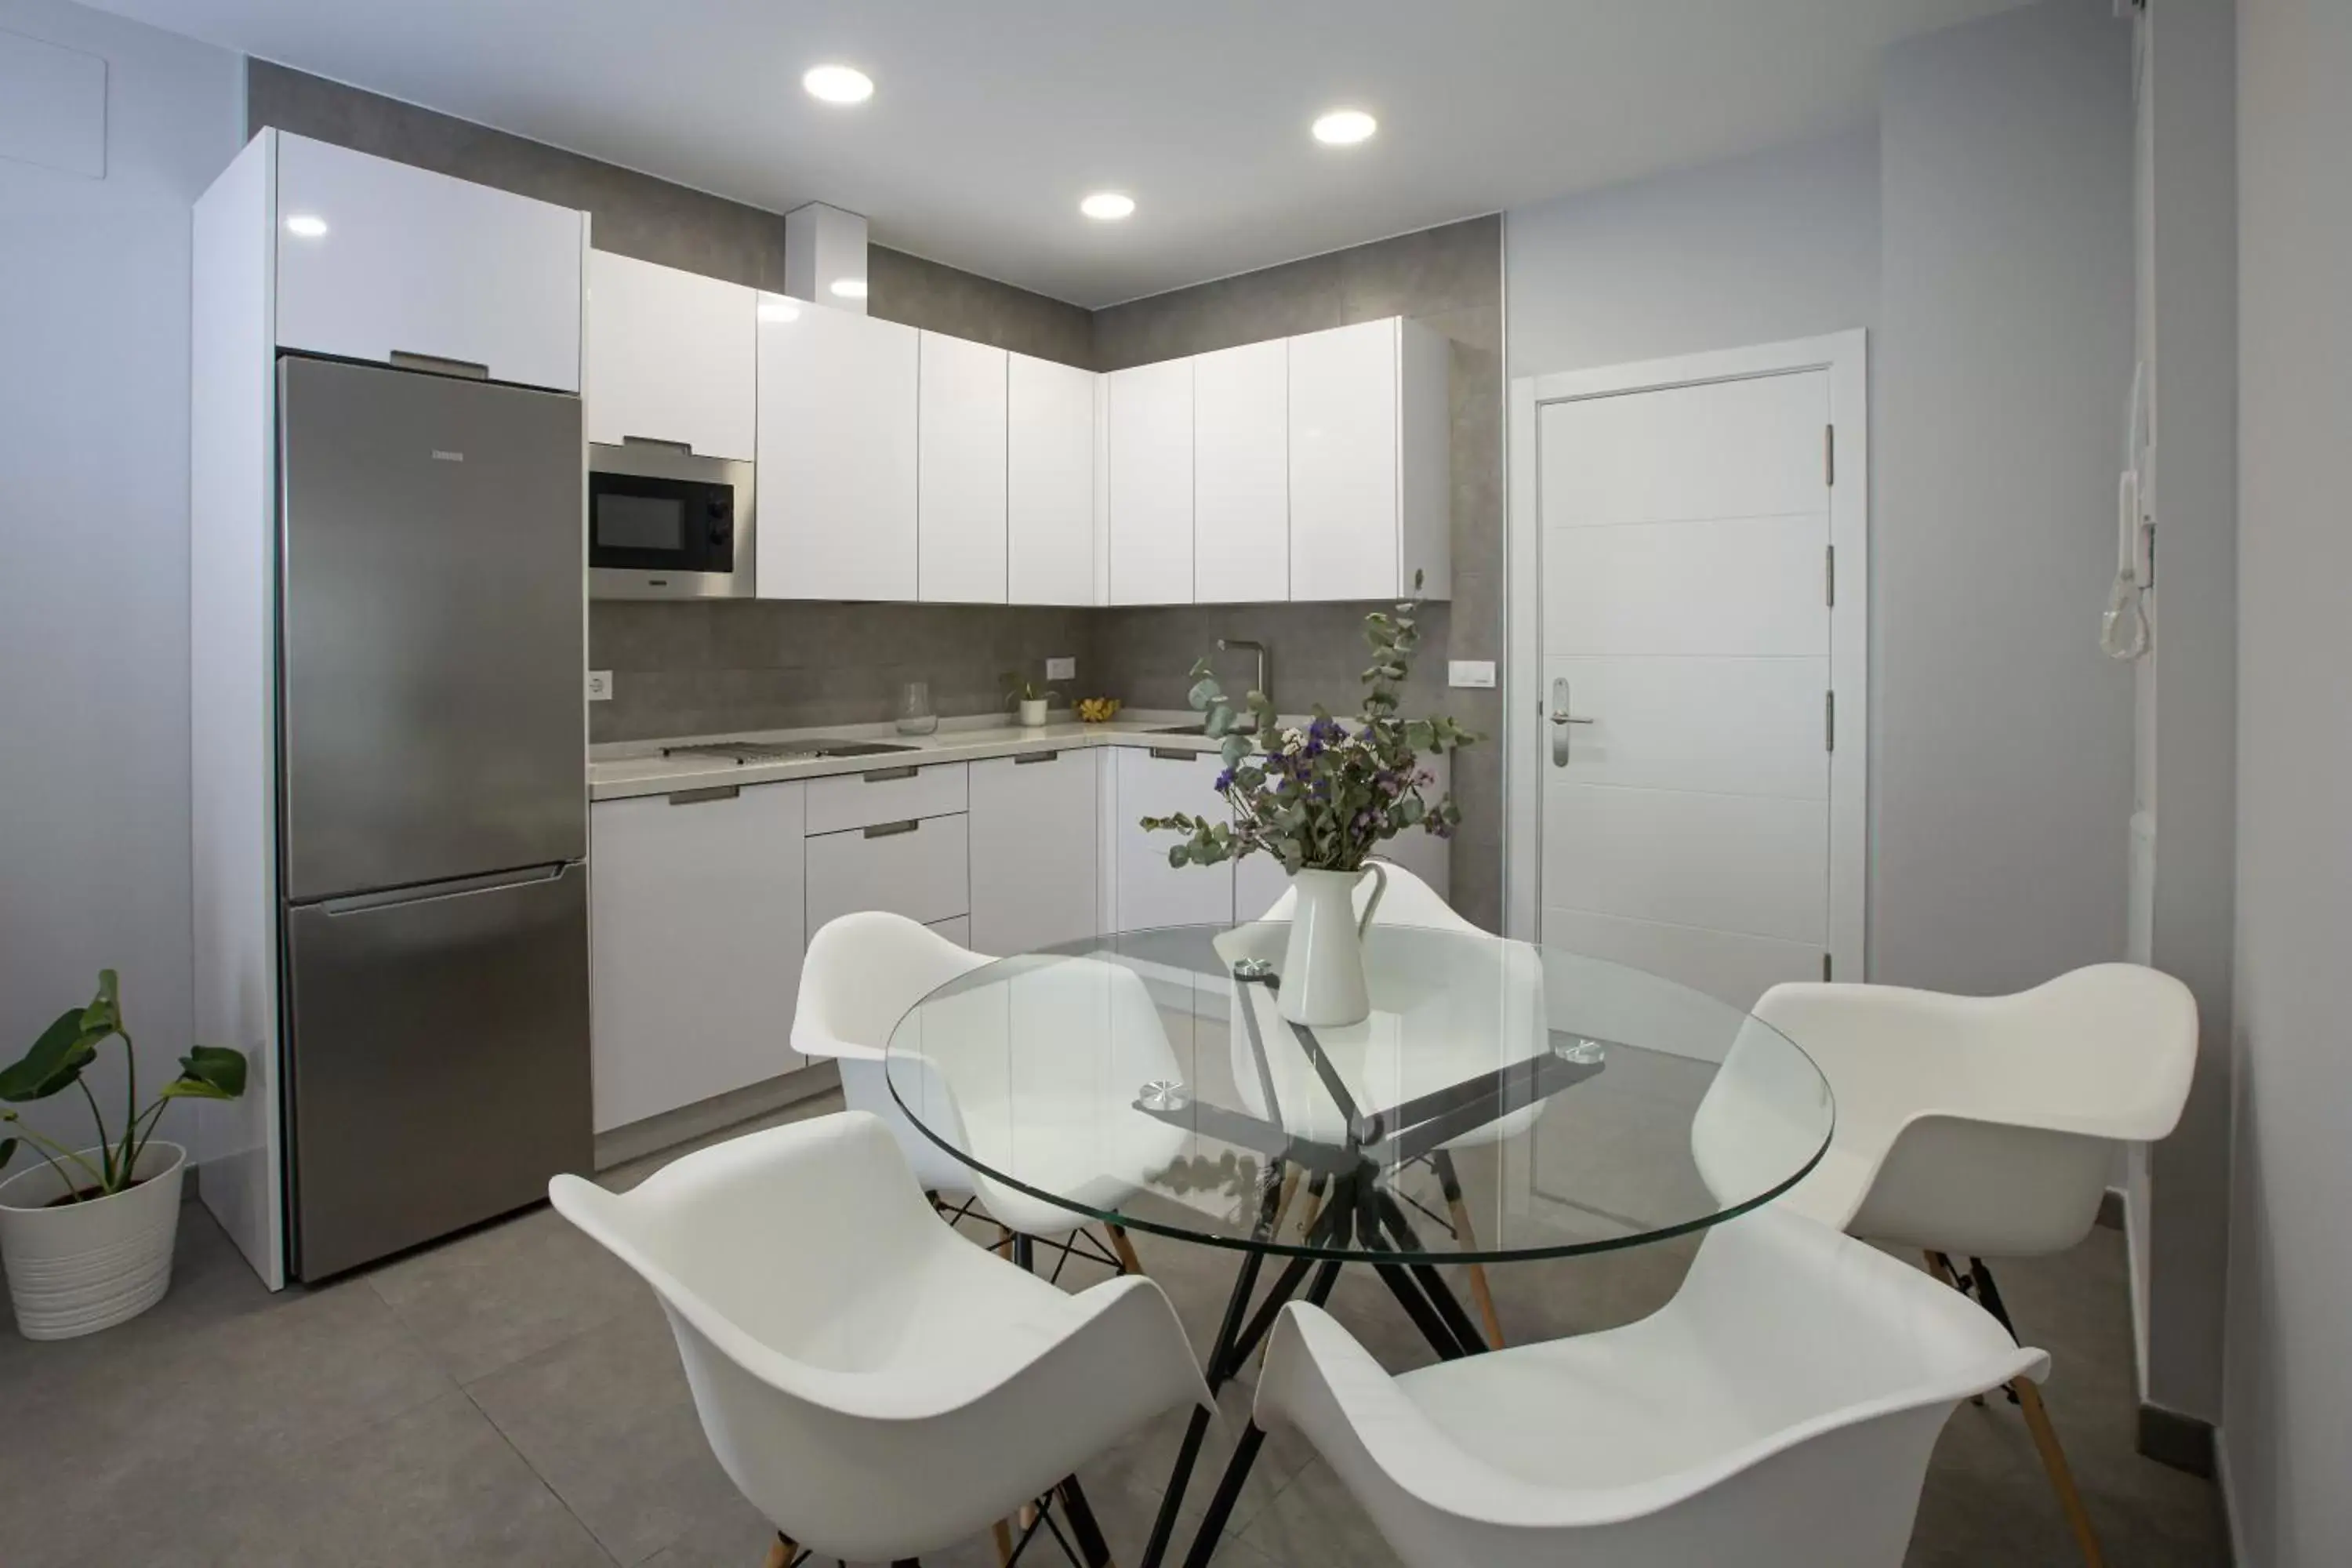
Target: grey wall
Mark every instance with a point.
(2187, 711)
(1450, 278)
(2003, 755)
(2287, 1414)
(1782, 244)
(94, 853)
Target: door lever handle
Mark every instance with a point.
(1562, 716)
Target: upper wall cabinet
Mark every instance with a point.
(1240, 474)
(377, 259)
(836, 454)
(1369, 502)
(1152, 484)
(672, 356)
(1049, 482)
(960, 467)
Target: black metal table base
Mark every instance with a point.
(1354, 1203)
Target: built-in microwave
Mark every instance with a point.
(666, 524)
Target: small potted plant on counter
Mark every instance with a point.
(1023, 694)
(86, 1235)
(1320, 799)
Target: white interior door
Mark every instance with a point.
(1685, 625)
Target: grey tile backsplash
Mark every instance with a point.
(683, 669)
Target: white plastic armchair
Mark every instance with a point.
(1779, 1412)
(1040, 1077)
(878, 1388)
(1972, 1124)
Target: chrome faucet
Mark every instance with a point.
(1265, 661)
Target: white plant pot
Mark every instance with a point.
(1033, 714)
(1323, 967)
(80, 1268)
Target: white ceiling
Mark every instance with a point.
(990, 119)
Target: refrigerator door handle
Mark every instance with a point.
(456, 887)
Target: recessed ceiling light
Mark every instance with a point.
(1107, 205)
(1345, 127)
(779, 310)
(307, 225)
(849, 287)
(838, 84)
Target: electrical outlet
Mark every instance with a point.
(1061, 670)
(1478, 672)
(600, 686)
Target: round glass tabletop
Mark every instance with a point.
(1501, 1101)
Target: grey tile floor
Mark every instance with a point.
(512, 1398)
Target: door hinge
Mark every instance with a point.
(1829, 721)
(1829, 576)
(1825, 966)
(1829, 454)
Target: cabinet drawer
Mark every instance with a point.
(885, 793)
(918, 868)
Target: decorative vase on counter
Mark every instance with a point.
(1032, 712)
(1323, 968)
(76, 1267)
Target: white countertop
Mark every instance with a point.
(619, 770)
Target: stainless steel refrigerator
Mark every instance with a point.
(432, 810)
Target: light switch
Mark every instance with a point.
(1061, 670)
(600, 686)
(1470, 672)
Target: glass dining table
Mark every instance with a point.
(1501, 1102)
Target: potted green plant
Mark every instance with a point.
(1026, 696)
(86, 1233)
(1320, 799)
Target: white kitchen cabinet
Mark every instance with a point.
(1240, 474)
(672, 356)
(960, 468)
(1034, 878)
(1147, 890)
(377, 258)
(919, 867)
(1369, 502)
(1049, 482)
(836, 454)
(1152, 484)
(887, 792)
(696, 932)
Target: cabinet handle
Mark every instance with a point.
(887, 775)
(439, 365)
(1171, 755)
(684, 448)
(1022, 762)
(697, 796)
(889, 829)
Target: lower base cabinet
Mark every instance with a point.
(1034, 839)
(1147, 891)
(697, 924)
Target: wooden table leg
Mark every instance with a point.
(781, 1552)
(1004, 1533)
(2062, 1478)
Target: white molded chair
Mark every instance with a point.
(1779, 1412)
(876, 1386)
(1411, 902)
(865, 972)
(1973, 1126)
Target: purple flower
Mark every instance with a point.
(1224, 780)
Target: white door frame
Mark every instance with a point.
(1844, 355)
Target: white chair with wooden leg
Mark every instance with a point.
(1777, 1413)
(1407, 900)
(865, 972)
(878, 1388)
(1972, 1127)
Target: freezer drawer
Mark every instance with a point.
(440, 1059)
